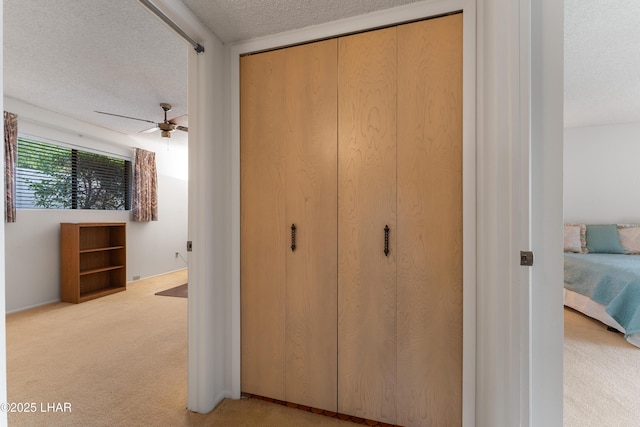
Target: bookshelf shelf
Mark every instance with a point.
(93, 260)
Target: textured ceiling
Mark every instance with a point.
(234, 20)
(602, 62)
(78, 56)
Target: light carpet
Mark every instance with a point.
(120, 360)
(601, 375)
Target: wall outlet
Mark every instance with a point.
(136, 277)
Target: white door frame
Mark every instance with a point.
(3, 329)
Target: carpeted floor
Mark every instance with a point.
(122, 360)
(601, 375)
(119, 360)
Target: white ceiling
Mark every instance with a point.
(602, 62)
(78, 56)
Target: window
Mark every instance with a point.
(53, 176)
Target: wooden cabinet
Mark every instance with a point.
(92, 260)
(376, 125)
(288, 177)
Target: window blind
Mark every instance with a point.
(57, 177)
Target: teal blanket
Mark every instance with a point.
(612, 280)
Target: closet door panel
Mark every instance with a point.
(366, 203)
(311, 177)
(430, 222)
(263, 230)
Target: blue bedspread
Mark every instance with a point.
(612, 280)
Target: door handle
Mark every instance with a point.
(386, 240)
(293, 237)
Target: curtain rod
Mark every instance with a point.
(197, 46)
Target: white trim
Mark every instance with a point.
(521, 342)
(209, 311)
(131, 282)
(3, 322)
(373, 20)
(546, 291)
(196, 270)
(502, 146)
(469, 216)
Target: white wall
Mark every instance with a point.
(3, 342)
(32, 257)
(601, 174)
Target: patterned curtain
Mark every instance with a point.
(144, 203)
(10, 159)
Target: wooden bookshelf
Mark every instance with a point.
(93, 258)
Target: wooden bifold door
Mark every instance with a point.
(351, 224)
(288, 179)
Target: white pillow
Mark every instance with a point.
(629, 238)
(574, 238)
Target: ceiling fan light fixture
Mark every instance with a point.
(166, 126)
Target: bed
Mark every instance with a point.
(607, 288)
(602, 276)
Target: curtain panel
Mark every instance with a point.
(10, 164)
(144, 203)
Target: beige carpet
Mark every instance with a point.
(119, 360)
(601, 375)
(122, 360)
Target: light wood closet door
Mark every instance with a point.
(430, 222)
(263, 224)
(311, 181)
(366, 203)
(289, 176)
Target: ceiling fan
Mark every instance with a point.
(166, 126)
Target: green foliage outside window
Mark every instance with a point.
(54, 177)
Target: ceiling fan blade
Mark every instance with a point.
(153, 129)
(126, 117)
(182, 128)
(182, 120)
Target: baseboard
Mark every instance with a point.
(156, 275)
(16, 310)
(32, 306)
